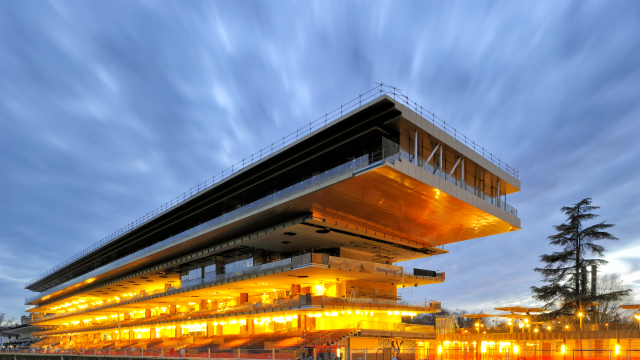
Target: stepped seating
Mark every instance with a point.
(123, 344)
(41, 343)
(258, 341)
(106, 345)
(166, 343)
(147, 343)
(287, 343)
(93, 345)
(236, 343)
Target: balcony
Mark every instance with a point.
(212, 279)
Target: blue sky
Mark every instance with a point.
(109, 109)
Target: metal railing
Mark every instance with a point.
(300, 301)
(320, 122)
(211, 278)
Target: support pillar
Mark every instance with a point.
(204, 305)
(244, 298)
(147, 313)
(415, 148)
(295, 289)
(152, 332)
(172, 309)
(251, 326)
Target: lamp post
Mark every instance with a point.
(580, 315)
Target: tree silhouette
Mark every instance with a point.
(565, 273)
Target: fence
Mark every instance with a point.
(278, 145)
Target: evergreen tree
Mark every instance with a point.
(566, 291)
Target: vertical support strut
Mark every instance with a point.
(415, 148)
(498, 192)
(440, 164)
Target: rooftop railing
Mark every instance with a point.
(320, 122)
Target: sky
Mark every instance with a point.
(110, 109)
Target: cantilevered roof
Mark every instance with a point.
(396, 203)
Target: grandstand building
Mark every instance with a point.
(299, 246)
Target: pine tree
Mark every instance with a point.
(565, 272)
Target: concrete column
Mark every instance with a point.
(204, 305)
(295, 289)
(143, 292)
(147, 313)
(244, 298)
(210, 329)
(219, 330)
(415, 148)
(126, 316)
(152, 332)
(250, 327)
(172, 309)
(178, 331)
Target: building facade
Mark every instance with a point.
(300, 246)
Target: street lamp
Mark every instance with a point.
(580, 315)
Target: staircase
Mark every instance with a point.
(335, 336)
(183, 343)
